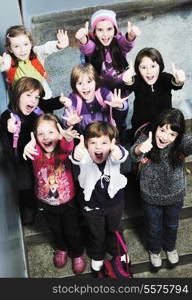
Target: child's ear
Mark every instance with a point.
(60, 136)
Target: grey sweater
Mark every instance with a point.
(160, 183)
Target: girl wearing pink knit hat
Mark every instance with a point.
(106, 49)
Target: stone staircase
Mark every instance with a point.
(38, 240)
(39, 251)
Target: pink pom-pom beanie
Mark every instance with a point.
(102, 15)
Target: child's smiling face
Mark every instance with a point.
(28, 101)
(165, 136)
(99, 148)
(86, 87)
(149, 70)
(20, 46)
(48, 135)
(105, 32)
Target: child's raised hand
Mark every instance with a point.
(179, 75)
(69, 134)
(116, 100)
(132, 31)
(82, 34)
(12, 124)
(80, 149)
(72, 117)
(65, 100)
(128, 75)
(62, 39)
(30, 150)
(115, 150)
(145, 146)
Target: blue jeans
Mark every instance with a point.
(162, 226)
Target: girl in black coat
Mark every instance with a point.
(152, 86)
(16, 124)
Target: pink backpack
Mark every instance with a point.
(100, 101)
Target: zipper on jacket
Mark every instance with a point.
(152, 88)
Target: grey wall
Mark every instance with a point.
(9, 15)
(12, 258)
(32, 8)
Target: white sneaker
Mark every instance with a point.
(155, 259)
(96, 265)
(173, 257)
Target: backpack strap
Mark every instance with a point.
(11, 72)
(102, 103)
(79, 104)
(17, 131)
(122, 243)
(36, 64)
(37, 111)
(40, 68)
(140, 130)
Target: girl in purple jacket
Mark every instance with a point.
(88, 102)
(106, 49)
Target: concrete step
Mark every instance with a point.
(40, 256)
(133, 212)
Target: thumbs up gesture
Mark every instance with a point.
(30, 150)
(82, 34)
(179, 75)
(115, 150)
(132, 31)
(80, 149)
(128, 75)
(65, 100)
(144, 147)
(12, 124)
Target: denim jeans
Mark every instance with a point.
(162, 226)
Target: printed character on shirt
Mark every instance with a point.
(49, 149)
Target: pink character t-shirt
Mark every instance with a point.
(54, 186)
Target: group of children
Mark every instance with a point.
(44, 149)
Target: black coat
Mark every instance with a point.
(151, 100)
